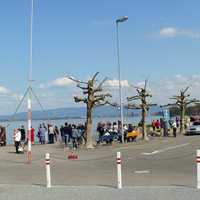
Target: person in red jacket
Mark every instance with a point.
(157, 124)
(32, 135)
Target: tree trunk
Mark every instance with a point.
(144, 132)
(89, 142)
(182, 121)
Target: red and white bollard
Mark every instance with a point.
(198, 169)
(119, 171)
(48, 173)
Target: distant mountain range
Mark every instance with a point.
(76, 112)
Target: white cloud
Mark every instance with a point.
(170, 32)
(166, 88)
(4, 90)
(60, 82)
(115, 83)
(140, 84)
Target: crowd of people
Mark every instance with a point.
(166, 125)
(159, 125)
(72, 135)
(49, 134)
(109, 132)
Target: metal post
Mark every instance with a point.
(48, 172)
(120, 86)
(29, 154)
(119, 171)
(198, 169)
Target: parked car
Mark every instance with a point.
(194, 129)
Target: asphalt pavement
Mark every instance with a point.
(165, 165)
(97, 193)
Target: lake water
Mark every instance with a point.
(35, 124)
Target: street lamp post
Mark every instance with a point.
(29, 152)
(122, 19)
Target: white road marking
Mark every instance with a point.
(165, 149)
(151, 153)
(142, 172)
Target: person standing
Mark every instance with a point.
(100, 132)
(23, 133)
(62, 133)
(165, 128)
(67, 133)
(46, 134)
(153, 124)
(43, 136)
(56, 133)
(74, 136)
(32, 135)
(157, 124)
(174, 127)
(23, 136)
(39, 133)
(51, 134)
(17, 139)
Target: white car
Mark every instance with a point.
(193, 129)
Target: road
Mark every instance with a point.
(160, 162)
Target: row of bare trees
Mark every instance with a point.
(93, 96)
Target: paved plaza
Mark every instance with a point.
(164, 165)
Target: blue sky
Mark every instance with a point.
(161, 40)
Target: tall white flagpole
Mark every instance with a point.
(29, 153)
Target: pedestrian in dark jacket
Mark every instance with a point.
(67, 133)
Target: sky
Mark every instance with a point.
(159, 42)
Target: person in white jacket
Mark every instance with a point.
(174, 127)
(17, 139)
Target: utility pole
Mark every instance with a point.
(29, 103)
(120, 20)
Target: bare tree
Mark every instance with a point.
(143, 105)
(93, 97)
(182, 101)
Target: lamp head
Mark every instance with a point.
(122, 19)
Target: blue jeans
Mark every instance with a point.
(66, 140)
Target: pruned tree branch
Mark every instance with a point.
(74, 79)
(80, 99)
(81, 87)
(99, 87)
(184, 91)
(94, 77)
(192, 101)
(132, 106)
(133, 98)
